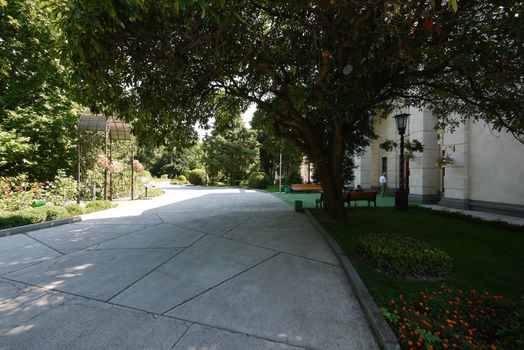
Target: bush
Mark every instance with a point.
(182, 178)
(54, 213)
(61, 189)
(402, 255)
(164, 176)
(447, 319)
(258, 180)
(74, 209)
(186, 173)
(154, 192)
(293, 177)
(197, 177)
(23, 217)
(98, 205)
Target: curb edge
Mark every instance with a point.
(38, 226)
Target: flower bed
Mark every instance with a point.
(447, 319)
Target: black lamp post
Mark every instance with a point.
(401, 195)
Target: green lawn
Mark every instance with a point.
(484, 257)
(309, 199)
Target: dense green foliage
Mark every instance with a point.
(74, 209)
(272, 146)
(403, 256)
(38, 115)
(163, 160)
(231, 151)
(23, 217)
(293, 177)
(98, 205)
(197, 177)
(258, 180)
(32, 216)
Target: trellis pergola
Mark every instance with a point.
(114, 129)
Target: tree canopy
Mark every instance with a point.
(323, 70)
(38, 115)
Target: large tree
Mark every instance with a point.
(38, 116)
(332, 66)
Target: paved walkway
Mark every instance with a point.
(221, 269)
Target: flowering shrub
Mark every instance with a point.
(137, 166)
(102, 161)
(114, 166)
(18, 192)
(62, 189)
(446, 319)
(401, 255)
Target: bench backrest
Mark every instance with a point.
(361, 195)
(306, 187)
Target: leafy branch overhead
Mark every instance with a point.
(410, 145)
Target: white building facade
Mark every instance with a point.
(486, 173)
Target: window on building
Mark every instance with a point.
(385, 165)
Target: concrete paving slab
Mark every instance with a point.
(87, 324)
(289, 300)
(202, 266)
(218, 224)
(306, 243)
(19, 251)
(20, 303)
(158, 236)
(69, 238)
(279, 220)
(206, 338)
(98, 274)
(177, 217)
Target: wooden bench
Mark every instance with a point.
(360, 196)
(352, 196)
(306, 188)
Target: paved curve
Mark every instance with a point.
(196, 269)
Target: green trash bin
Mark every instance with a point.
(299, 206)
(38, 203)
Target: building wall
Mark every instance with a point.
(487, 166)
(486, 174)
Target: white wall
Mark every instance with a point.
(424, 174)
(496, 161)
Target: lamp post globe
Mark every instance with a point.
(401, 194)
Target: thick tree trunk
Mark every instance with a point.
(332, 192)
(329, 168)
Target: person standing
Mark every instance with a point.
(383, 181)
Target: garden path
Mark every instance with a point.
(197, 268)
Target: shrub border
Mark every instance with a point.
(385, 336)
(38, 226)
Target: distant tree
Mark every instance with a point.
(231, 150)
(271, 146)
